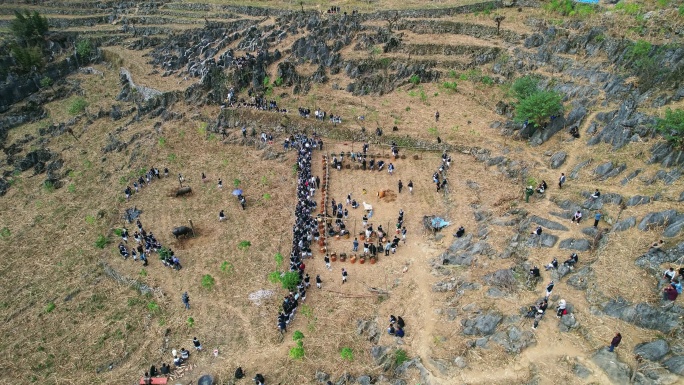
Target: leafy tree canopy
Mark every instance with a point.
(538, 107)
(29, 28)
(672, 127)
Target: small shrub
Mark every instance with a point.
(453, 74)
(290, 280)
(347, 354)
(236, 183)
(414, 79)
(628, 8)
(400, 356)
(46, 82)
(118, 232)
(153, 307)
(164, 252)
(525, 86)
(681, 10)
(423, 96)
(77, 106)
(50, 307)
(71, 188)
(307, 311)
(191, 322)
(162, 142)
(279, 259)
(267, 196)
(90, 219)
(278, 81)
(5, 232)
(639, 50)
(208, 282)
(143, 273)
(672, 127)
(227, 267)
(487, 80)
(274, 277)
(84, 48)
(450, 86)
(172, 158)
(297, 352)
(101, 241)
(297, 335)
(407, 109)
(244, 245)
(48, 186)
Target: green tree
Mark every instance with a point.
(538, 107)
(29, 28)
(672, 127)
(525, 86)
(84, 49)
(27, 58)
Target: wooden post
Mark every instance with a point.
(192, 227)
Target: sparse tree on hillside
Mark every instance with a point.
(392, 21)
(498, 19)
(28, 28)
(539, 107)
(672, 127)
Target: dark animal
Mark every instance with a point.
(182, 230)
(183, 191)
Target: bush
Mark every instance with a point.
(672, 127)
(208, 282)
(274, 277)
(400, 356)
(297, 352)
(5, 232)
(227, 267)
(525, 86)
(164, 252)
(29, 28)
(244, 245)
(297, 336)
(50, 307)
(279, 259)
(450, 86)
(46, 82)
(538, 107)
(628, 8)
(77, 106)
(290, 280)
(640, 49)
(191, 322)
(101, 242)
(347, 354)
(27, 59)
(153, 307)
(414, 79)
(84, 49)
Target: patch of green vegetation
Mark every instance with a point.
(227, 267)
(77, 106)
(208, 281)
(143, 273)
(297, 352)
(347, 354)
(407, 109)
(84, 48)
(672, 127)
(5, 232)
(236, 183)
(525, 86)
(46, 82)
(153, 307)
(681, 10)
(423, 96)
(267, 197)
(162, 142)
(399, 357)
(628, 8)
(297, 335)
(164, 252)
(48, 186)
(290, 280)
(279, 259)
(172, 158)
(432, 131)
(191, 322)
(101, 241)
(274, 277)
(569, 8)
(50, 307)
(539, 107)
(307, 311)
(244, 245)
(278, 81)
(90, 219)
(487, 80)
(450, 86)
(133, 302)
(414, 79)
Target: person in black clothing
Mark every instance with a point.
(165, 369)
(239, 373)
(259, 379)
(400, 185)
(572, 260)
(153, 371)
(400, 322)
(460, 232)
(534, 272)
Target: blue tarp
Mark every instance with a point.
(439, 223)
(587, 1)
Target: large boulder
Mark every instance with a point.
(661, 218)
(514, 340)
(575, 244)
(482, 325)
(654, 350)
(618, 372)
(547, 223)
(645, 315)
(638, 200)
(625, 224)
(580, 280)
(675, 227)
(675, 364)
(558, 159)
(503, 278)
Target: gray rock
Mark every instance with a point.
(548, 240)
(560, 272)
(675, 365)
(575, 171)
(580, 280)
(483, 325)
(463, 259)
(603, 169)
(575, 244)
(399, 382)
(379, 354)
(654, 350)
(514, 340)
(590, 231)
(625, 224)
(675, 228)
(568, 322)
(322, 376)
(444, 286)
(461, 243)
(662, 218)
(364, 380)
(613, 198)
(495, 292)
(460, 362)
(629, 177)
(681, 197)
(503, 278)
(481, 342)
(617, 371)
(581, 371)
(558, 159)
(645, 315)
(638, 200)
(547, 223)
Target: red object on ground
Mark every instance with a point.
(155, 381)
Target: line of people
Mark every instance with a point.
(144, 180)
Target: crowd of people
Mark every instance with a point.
(305, 229)
(144, 180)
(145, 244)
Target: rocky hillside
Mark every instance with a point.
(159, 67)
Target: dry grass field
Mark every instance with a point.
(73, 312)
